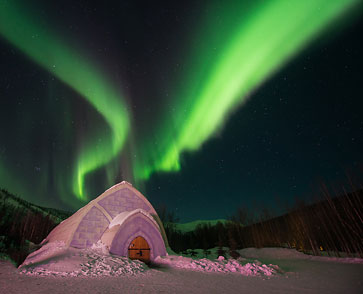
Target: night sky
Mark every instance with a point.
(203, 107)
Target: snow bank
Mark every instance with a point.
(221, 265)
(286, 253)
(92, 262)
(55, 259)
(48, 251)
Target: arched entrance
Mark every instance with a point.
(136, 224)
(139, 249)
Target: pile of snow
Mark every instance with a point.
(91, 262)
(221, 265)
(52, 250)
(55, 259)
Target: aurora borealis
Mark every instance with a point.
(95, 94)
(256, 44)
(70, 67)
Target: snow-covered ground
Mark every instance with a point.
(55, 259)
(268, 270)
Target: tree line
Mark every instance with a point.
(24, 225)
(333, 225)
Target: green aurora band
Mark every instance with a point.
(258, 39)
(234, 51)
(39, 44)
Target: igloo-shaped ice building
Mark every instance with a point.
(122, 218)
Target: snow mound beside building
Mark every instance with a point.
(221, 265)
(71, 262)
(55, 259)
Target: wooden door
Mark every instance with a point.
(139, 249)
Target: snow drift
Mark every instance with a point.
(56, 259)
(220, 265)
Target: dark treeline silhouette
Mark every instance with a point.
(24, 225)
(334, 225)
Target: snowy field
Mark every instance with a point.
(268, 270)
